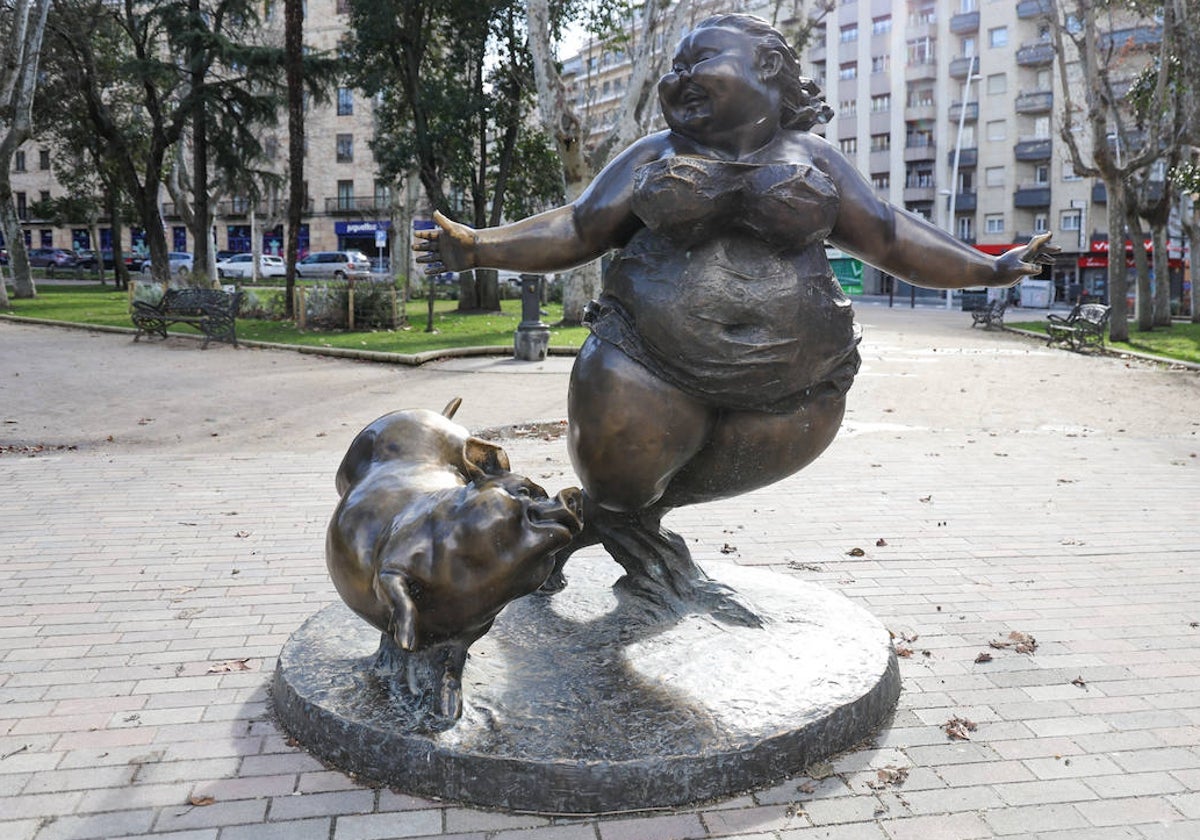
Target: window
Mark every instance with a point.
(345, 148)
(848, 71)
(881, 25)
(1041, 174)
(921, 97)
(997, 83)
(966, 227)
(993, 176)
(44, 159)
(383, 194)
(993, 223)
(965, 6)
(1041, 223)
(881, 180)
(881, 63)
(916, 136)
(997, 130)
(47, 238)
(881, 142)
(920, 50)
(43, 196)
(880, 103)
(920, 13)
(1070, 220)
(19, 162)
(345, 195)
(967, 44)
(848, 107)
(848, 33)
(968, 136)
(1041, 128)
(849, 145)
(998, 37)
(345, 102)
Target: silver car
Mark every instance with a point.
(241, 265)
(340, 265)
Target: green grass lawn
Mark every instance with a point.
(105, 306)
(1180, 341)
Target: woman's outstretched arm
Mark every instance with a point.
(599, 220)
(906, 246)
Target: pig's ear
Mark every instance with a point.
(356, 461)
(481, 457)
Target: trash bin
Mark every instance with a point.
(974, 299)
(1036, 293)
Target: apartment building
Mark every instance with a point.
(347, 202)
(948, 107)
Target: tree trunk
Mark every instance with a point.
(1118, 322)
(18, 257)
(1162, 278)
(1144, 301)
(293, 12)
(1194, 250)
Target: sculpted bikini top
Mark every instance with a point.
(691, 199)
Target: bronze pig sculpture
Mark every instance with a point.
(432, 538)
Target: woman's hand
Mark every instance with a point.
(448, 247)
(1024, 261)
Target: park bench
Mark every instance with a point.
(212, 311)
(992, 314)
(1083, 326)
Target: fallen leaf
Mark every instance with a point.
(807, 787)
(1079, 682)
(200, 801)
(728, 549)
(958, 729)
(229, 666)
(892, 775)
(242, 534)
(880, 543)
(856, 552)
(927, 498)
(819, 771)
(983, 657)
(1018, 641)
(903, 652)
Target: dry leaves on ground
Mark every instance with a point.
(984, 656)
(229, 666)
(1018, 641)
(959, 729)
(888, 775)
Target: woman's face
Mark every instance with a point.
(715, 83)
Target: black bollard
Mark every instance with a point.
(532, 338)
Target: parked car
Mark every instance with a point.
(240, 265)
(51, 258)
(340, 265)
(180, 262)
(86, 258)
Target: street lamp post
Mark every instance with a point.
(962, 123)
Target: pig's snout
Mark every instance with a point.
(565, 509)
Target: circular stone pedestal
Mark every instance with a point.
(574, 705)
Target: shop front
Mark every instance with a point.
(370, 237)
(1093, 272)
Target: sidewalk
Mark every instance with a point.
(164, 513)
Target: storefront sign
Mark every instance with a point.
(361, 228)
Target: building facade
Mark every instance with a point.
(347, 204)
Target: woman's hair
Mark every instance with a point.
(803, 105)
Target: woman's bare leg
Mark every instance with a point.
(630, 432)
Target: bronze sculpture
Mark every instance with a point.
(432, 537)
(722, 347)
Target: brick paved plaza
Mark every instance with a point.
(163, 525)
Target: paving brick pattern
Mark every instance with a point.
(992, 486)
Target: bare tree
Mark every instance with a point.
(22, 26)
(1116, 150)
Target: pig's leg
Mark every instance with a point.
(392, 589)
(450, 705)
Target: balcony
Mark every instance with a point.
(966, 157)
(964, 64)
(1037, 102)
(1037, 54)
(1099, 193)
(1036, 149)
(920, 111)
(1132, 38)
(920, 151)
(920, 71)
(964, 23)
(964, 202)
(1032, 196)
(1027, 9)
(972, 112)
(918, 193)
(349, 205)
